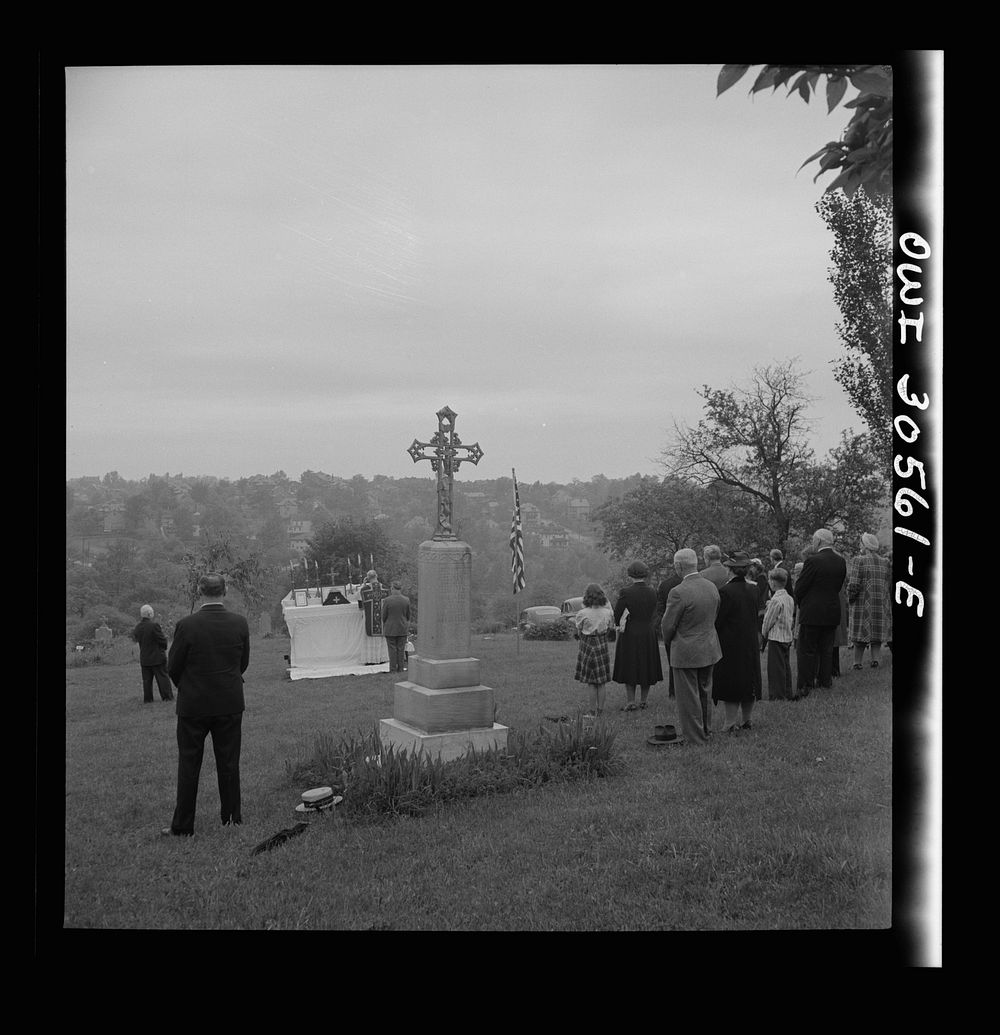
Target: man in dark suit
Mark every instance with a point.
(210, 653)
(817, 592)
(662, 592)
(152, 656)
(396, 626)
(689, 633)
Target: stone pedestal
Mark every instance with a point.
(444, 747)
(443, 709)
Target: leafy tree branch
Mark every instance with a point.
(862, 157)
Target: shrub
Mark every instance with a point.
(487, 626)
(560, 629)
(379, 782)
(120, 651)
(81, 630)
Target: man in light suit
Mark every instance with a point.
(210, 653)
(396, 626)
(817, 592)
(689, 634)
(714, 569)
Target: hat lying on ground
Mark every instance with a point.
(663, 735)
(318, 799)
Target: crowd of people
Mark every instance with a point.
(716, 622)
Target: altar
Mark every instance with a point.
(329, 640)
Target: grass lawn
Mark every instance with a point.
(787, 827)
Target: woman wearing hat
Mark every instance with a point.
(868, 593)
(736, 678)
(637, 651)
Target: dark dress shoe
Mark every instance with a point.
(168, 832)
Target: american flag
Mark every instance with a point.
(516, 541)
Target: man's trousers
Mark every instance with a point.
(227, 734)
(396, 645)
(816, 655)
(693, 687)
(162, 683)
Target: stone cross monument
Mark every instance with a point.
(444, 458)
(443, 709)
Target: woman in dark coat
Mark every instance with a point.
(637, 651)
(736, 677)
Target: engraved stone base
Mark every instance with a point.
(444, 578)
(440, 674)
(443, 746)
(443, 710)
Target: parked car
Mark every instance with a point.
(572, 605)
(540, 615)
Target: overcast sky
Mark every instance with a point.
(295, 267)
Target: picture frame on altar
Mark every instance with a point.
(301, 598)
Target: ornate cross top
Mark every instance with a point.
(444, 446)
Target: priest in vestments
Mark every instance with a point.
(372, 594)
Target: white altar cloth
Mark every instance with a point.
(327, 641)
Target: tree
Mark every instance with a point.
(83, 591)
(862, 285)
(752, 439)
(336, 541)
(863, 155)
(272, 534)
(136, 511)
(81, 629)
(84, 521)
(843, 493)
(653, 521)
(656, 520)
(116, 569)
(218, 517)
(183, 522)
(244, 569)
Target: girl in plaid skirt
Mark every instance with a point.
(593, 665)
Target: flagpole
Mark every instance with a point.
(517, 567)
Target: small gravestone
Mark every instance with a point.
(442, 709)
(103, 633)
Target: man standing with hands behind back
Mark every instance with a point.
(209, 654)
(817, 592)
(693, 644)
(152, 655)
(396, 626)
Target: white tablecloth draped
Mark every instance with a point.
(331, 641)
